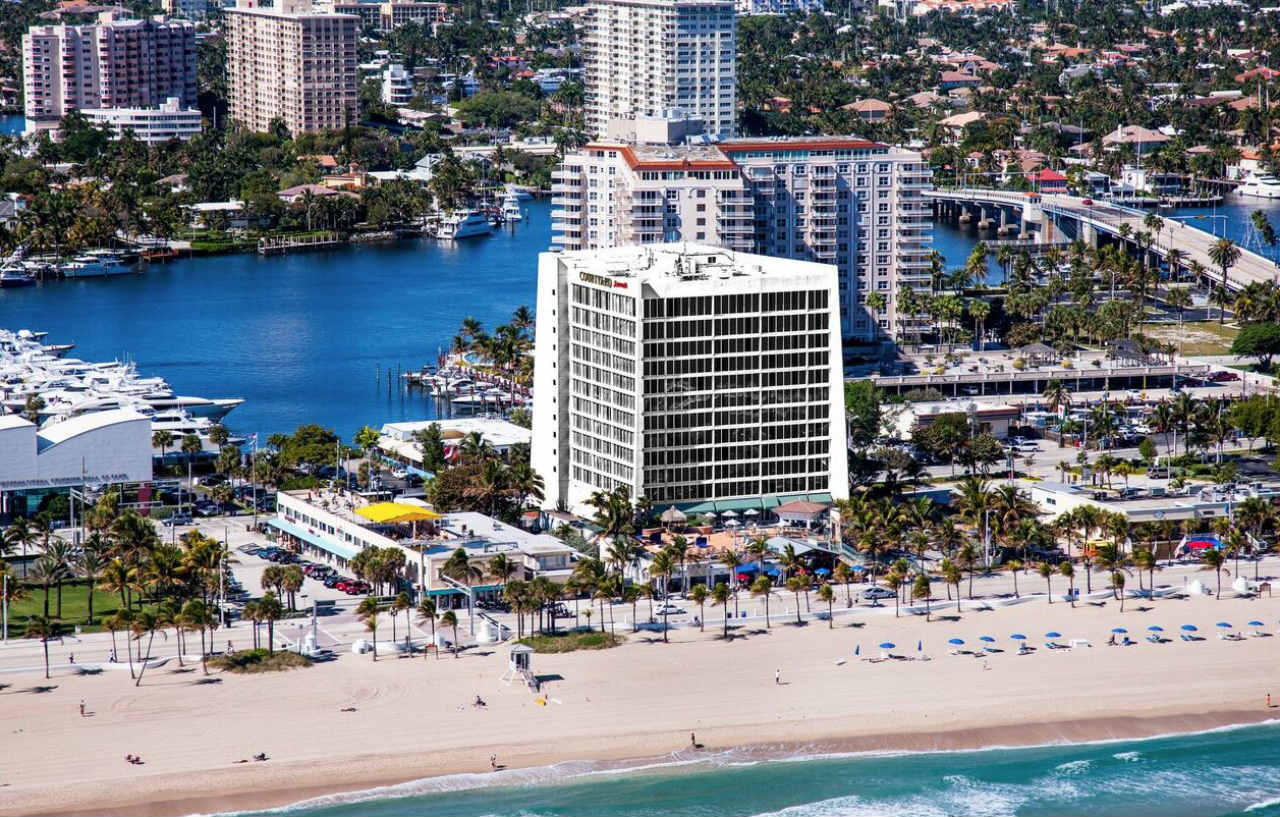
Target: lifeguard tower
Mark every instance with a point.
(519, 660)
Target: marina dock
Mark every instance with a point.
(270, 245)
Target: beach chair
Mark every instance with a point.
(1155, 639)
(1053, 645)
(1128, 642)
(1187, 637)
(1023, 649)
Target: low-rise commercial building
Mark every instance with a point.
(91, 449)
(150, 125)
(327, 527)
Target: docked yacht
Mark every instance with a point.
(463, 224)
(511, 211)
(1260, 186)
(71, 387)
(15, 276)
(96, 264)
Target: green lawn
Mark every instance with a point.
(75, 607)
(1195, 338)
(571, 641)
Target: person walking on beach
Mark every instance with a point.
(493, 763)
(1268, 700)
(82, 707)
(693, 741)
(777, 676)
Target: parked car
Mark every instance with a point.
(1224, 377)
(670, 610)
(875, 593)
(178, 519)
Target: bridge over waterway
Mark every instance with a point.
(1059, 216)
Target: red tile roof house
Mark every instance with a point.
(1048, 181)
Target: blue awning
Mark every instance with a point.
(339, 549)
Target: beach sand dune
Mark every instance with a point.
(413, 717)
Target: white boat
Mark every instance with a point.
(511, 207)
(15, 276)
(463, 224)
(1260, 186)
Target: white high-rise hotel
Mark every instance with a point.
(690, 374)
(845, 201)
(648, 57)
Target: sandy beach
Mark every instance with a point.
(638, 702)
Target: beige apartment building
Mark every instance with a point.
(116, 62)
(292, 64)
(649, 57)
(845, 201)
(393, 14)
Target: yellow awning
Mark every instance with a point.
(396, 512)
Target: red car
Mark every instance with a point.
(343, 585)
(1087, 202)
(1224, 377)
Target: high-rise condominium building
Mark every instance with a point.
(113, 63)
(292, 64)
(689, 374)
(849, 202)
(649, 57)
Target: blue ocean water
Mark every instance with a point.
(1232, 771)
(304, 338)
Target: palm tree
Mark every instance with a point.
(921, 589)
(270, 610)
(1213, 558)
(144, 623)
(731, 559)
(698, 595)
(43, 628)
(662, 566)
(368, 612)
(162, 439)
(893, 581)
(1225, 254)
(844, 574)
(121, 620)
(1066, 571)
(459, 568)
(796, 584)
(427, 614)
(1117, 585)
(763, 587)
(1046, 572)
(46, 573)
(951, 575)
(450, 619)
(825, 593)
(500, 568)
(401, 604)
(720, 595)
(1014, 566)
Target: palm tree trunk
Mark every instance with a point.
(142, 671)
(46, 656)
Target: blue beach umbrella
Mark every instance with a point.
(1155, 628)
(858, 569)
(1191, 628)
(822, 571)
(1018, 637)
(1120, 630)
(1224, 625)
(1256, 624)
(1053, 634)
(888, 645)
(956, 641)
(988, 639)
